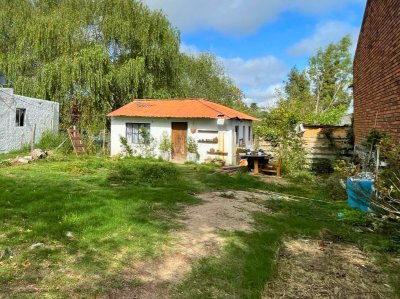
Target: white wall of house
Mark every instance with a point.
(44, 114)
(198, 128)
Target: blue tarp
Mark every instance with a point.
(359, 192)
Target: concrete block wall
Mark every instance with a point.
(45, 114)
(377, 71)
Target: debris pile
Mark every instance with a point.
(36, 154)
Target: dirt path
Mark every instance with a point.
(305, 271)
(199, 237)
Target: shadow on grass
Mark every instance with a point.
(249, 259)
(87, 226)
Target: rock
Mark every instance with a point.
(227, 194)
(69, 235)
(37, 245)
(37, 153)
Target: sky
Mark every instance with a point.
(259, 41)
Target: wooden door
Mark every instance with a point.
(179, 140)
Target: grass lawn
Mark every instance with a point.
(94, 216)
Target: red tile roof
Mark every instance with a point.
(182, 108)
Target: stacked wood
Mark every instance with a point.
(320, 142)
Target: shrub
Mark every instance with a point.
(143, 171)
(321, 166)
(192, 145)
(355, 217)
(293, 156)
(373, 138)
(302, 176)
(388, 182)
(165, 143)
(51, 140)
(335, 186)
(126, 148)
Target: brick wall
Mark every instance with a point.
(377, 70)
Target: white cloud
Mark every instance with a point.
(324, 34)
(264, 97)
(189, 49)
(257, 77)
(255, 72)
(236, 17)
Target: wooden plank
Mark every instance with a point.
(179, 140)
(76, 141)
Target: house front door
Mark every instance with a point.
(179, 140)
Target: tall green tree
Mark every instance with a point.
(320, 94)
(297, 96)
(204, 76)
(90, 56)
(93, 56)
(330, 72)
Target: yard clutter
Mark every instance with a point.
(36, 154)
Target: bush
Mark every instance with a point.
(143, 171)
(355, 217)
(302, 176)
(51, 140)
(321, 166)
(334, 187)
(387, 198)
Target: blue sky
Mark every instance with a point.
(258, 41)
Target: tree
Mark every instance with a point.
(330, 72)
(95, 56)
(298, 92)
(319, 94)
(90, 56)
(204, 77)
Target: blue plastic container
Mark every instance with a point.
(359, 193)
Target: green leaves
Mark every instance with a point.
(90, 56)
(95, 56)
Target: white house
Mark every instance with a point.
(19, 116)
(217, 130)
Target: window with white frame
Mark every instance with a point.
(20, 117)
(138, 133)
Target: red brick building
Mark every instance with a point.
(377, 70)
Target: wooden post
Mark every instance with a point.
(279, 167)
(33, 138)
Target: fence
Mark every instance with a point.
(321, 142)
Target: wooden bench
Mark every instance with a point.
(273, 168)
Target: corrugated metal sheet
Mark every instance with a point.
(179, 108)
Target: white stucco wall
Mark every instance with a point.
(44, 114)
(225, 134)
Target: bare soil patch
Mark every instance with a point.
(199, 237)
(308, 270)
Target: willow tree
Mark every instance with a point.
(90, 56)
(203, 76)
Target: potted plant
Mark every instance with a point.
(165, 146)
(192, 150)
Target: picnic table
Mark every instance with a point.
(256, 158)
